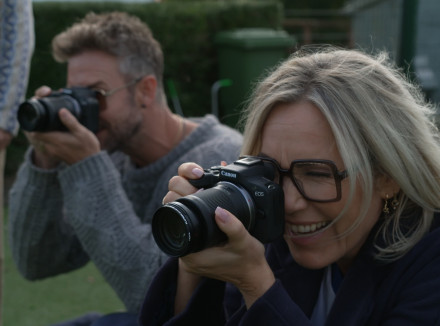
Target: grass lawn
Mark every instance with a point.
(42, 303)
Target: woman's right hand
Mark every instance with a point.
(240, 261)
(179, 185)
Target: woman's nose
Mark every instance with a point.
(293, 200)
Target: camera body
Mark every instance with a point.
(42, 114)
(244, 188)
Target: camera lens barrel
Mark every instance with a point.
(31, 115)
(42, 114)
(187, 225)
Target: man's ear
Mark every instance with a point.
(387, 187)
(146, 90)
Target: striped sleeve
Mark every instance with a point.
(17, 41)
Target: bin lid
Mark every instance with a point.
(254, 37)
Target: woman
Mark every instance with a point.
(359, 162)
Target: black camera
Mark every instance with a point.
(42, 114)
(244, 188)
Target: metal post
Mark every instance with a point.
(408, 36)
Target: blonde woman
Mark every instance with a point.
(357, 155)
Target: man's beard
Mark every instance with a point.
(121, 139)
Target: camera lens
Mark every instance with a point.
(187, 225)
(177, 232)
(172, 230)
(42, 114)
(31, 115)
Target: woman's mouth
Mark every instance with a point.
(303, 229)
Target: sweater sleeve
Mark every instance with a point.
(59, 219)
(115, 238)
(109, 205)
(42, 243)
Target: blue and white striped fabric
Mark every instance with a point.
(17, 42)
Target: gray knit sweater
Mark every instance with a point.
(100, 209)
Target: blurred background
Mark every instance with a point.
(215, 51)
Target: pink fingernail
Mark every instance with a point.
(197, 172)
(222, 214)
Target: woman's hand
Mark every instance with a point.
(240, 261)
(179, 186)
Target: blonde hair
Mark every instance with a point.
(382, 126)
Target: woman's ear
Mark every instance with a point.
(146, 91)
(387, 187)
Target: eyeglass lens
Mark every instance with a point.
(102, 95)
(314, 180)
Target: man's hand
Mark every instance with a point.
(51, 148)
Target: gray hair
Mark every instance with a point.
(382, 126)
(124, 36)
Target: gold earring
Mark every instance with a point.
(394, 203)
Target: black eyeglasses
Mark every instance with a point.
(102, 94)
(316, 180)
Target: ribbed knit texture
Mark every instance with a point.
(100, 208)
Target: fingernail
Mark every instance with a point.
(62, 113)
(197, 172)
(45, 89)
(222, 214)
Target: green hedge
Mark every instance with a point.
(314, 4)
(186, 31)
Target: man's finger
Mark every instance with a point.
(69, 120)
(43, 91)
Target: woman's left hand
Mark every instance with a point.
(240, 261)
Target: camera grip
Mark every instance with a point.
(206, 181)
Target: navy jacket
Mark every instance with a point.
(405, 292)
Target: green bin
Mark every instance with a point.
(244, 56)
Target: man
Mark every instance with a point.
(16, 48)
(81, 196)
